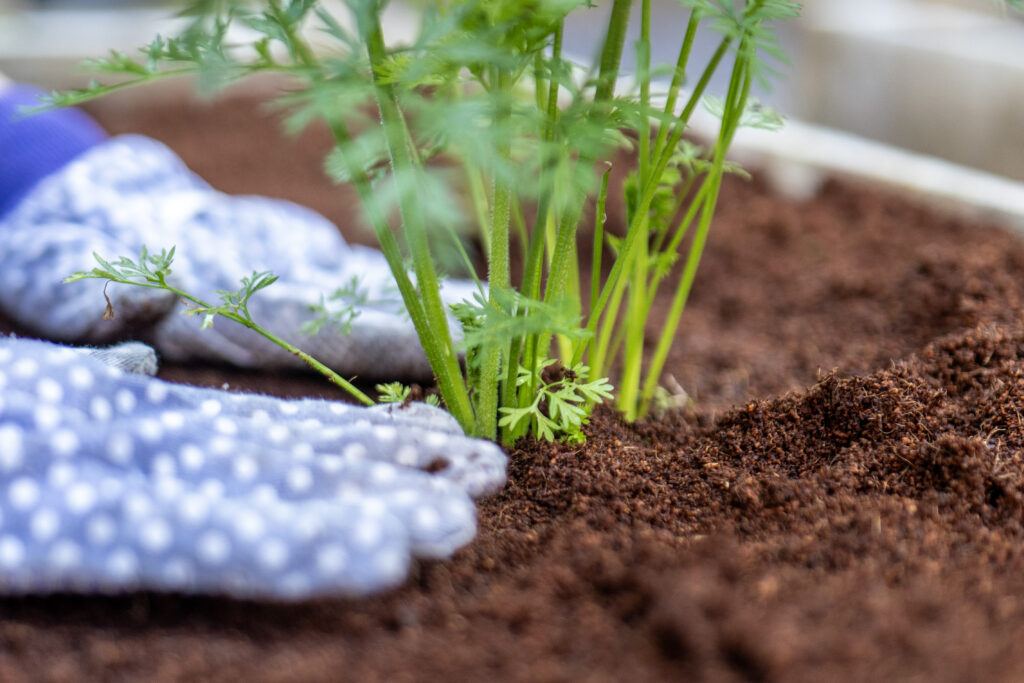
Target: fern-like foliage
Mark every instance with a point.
(560, 408)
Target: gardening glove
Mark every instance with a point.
(113, 481)
(114, 196)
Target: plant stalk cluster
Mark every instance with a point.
(482, 120)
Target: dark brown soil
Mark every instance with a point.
(845, 502)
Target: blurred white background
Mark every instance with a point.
(942, 77)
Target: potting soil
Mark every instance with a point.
(840, 499)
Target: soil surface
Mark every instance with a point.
(843, 502)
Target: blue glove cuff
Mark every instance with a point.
(32, 147)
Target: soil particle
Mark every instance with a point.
(843, 503)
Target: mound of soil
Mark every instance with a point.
(844, 501)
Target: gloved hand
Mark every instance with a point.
(120, 194)
(112, 481)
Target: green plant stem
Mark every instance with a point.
(739, 89)
(658, 245)
(611, 51)
(680, 232)
(565, 238)
(533, 263)
(246, 321)
(566, 345)
(298, 48)
(539, 95)
(636, 319)
(452, 388)
(478, 195)
(433, 331)
(681, 295)
(533, 268)
(611, 58)
(389, 247)
(519, 224)
(313, 363)
(552, 98)
(499, 276)
(615, 279)
(598, 246)
(487, 397)
(681, 122)
(678, 76)
(643, 72)
(600, 359)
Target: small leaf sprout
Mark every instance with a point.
(152, 270)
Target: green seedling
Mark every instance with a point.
(393, 392)
(559, 408)
(152, 270)
(396, 392)
(483, 110)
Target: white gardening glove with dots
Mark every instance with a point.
(131, 191)
(112, 481)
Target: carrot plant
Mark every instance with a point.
(483, 110)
